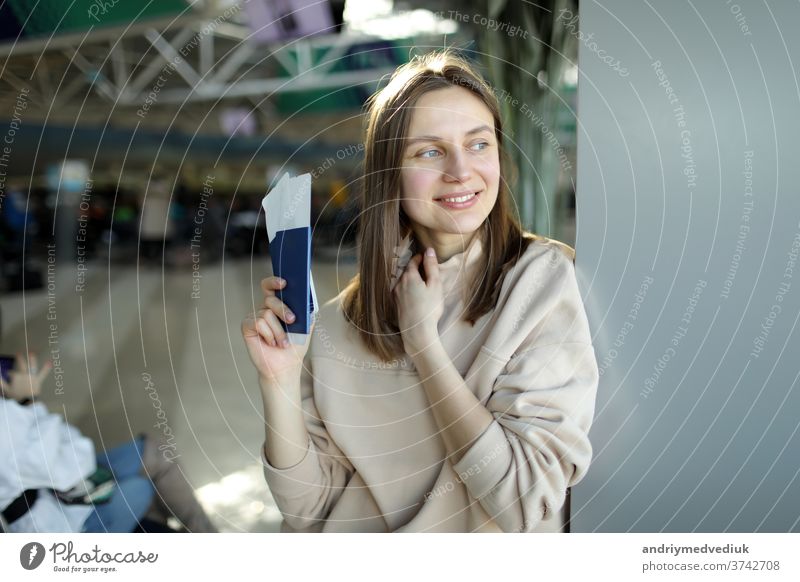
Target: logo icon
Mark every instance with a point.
(31, 555)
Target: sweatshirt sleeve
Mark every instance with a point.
(306, 492)
(543, 401)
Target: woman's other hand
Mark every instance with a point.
(420, 304)
(267, 342)
(25, 380)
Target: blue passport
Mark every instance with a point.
(287, 209)
(290, 251)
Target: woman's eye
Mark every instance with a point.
(426, 152)
(483, 145)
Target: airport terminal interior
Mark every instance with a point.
(138, 145)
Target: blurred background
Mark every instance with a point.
(138, 140)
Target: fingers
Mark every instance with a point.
(431, 266)
(48, 365)
(279, 308)
(254, 326)
(280, 337)
(249, 326)
(271, 301)
(265, 324)
(271, 284)
(21, 364)
(412, 269)
(29, 365)
(263, 329)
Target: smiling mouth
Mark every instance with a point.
(461, 199)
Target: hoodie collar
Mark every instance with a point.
(458, 269)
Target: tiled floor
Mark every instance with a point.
(139, 354)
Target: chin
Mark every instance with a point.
(466, 232)
(466, 226)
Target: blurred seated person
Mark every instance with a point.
(52, 481)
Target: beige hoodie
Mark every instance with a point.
(376, 461)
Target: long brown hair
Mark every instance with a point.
(368, 303)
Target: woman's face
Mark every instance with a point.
(450, 172)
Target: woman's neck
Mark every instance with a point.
(445, 244)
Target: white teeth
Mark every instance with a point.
(458, 199)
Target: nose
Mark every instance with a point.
(458, 167)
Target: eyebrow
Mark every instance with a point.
(413, 140)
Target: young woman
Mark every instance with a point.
(458, 395)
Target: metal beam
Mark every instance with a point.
(282, 56)
(64, 95)
(17, 83)
(98, 80)
(97, 34)
(170, 54)
(271, 86)
(304, 58)
(218, 71)
(43, 77)
(231, 31)
(153, 67)
(119, 63)
(206, 62)
(332, 56)
(226, 70)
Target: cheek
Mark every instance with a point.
(416, 209)
(417, 182)
(490, 171)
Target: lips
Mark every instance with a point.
(458, 200)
